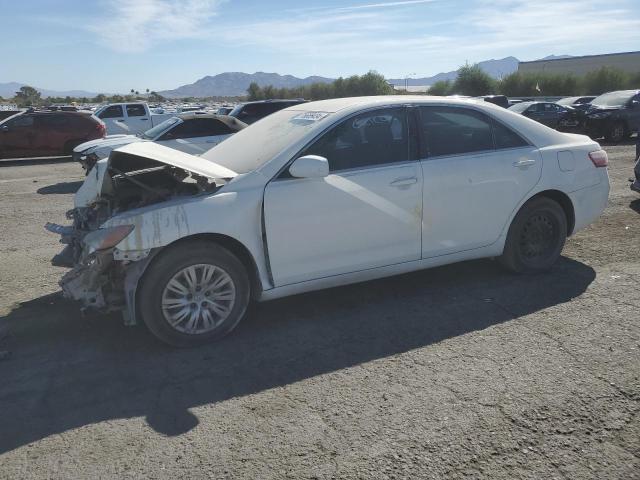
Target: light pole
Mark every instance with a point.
(406, 81)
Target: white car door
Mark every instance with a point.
(195, 135)
(366, 213)
(138, 118)
(476, 172)
(114, 120)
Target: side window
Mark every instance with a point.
(22, 121)
(453, 130)
(370, 139)
(507, 138)
(136, 110)
(54, 121)
(114, 111)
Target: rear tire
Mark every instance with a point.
(194, 293)
(536, 237)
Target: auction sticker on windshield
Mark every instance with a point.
(310, 116)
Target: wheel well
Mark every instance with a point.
(235, 247)
(566, 204)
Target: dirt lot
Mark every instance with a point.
(460, 371)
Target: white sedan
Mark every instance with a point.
(190, 133)
(323, 194)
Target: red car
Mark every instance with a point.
(44, 134)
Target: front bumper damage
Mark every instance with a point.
(104, 280)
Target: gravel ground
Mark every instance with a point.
(460, 371)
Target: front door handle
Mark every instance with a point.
(403, 182)
(524, 163)
(144, 119)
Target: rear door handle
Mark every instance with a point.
(403, 182)
(144, 119)
(524, 163)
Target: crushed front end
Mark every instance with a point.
(101, 276)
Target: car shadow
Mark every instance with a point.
(60, 188)
(67, 371)
(635, 205)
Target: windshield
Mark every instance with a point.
(255, 145)
(520, 107)
(613, 99)
(568, 101)
(158, 130)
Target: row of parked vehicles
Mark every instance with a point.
(613, 115)
(37, 133)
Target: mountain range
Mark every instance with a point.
(8, 90)
(231, 84)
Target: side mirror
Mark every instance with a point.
(634, 103)
(5, 128)
(309, 166)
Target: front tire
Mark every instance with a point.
(616, 133)
(194, 293)
(536, 237)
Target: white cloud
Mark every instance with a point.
(133, 26)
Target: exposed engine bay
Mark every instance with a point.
(123, 182)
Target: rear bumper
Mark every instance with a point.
(590, 202)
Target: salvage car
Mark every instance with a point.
(190, 133)
(319, 195)
(614, 115)
(549, 114)
(45, 133)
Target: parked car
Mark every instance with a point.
(549, 114)
(614, 115)
(44, 133)
(129, 118)
(224, 110)
(250, 112)
(500, 100)
(579, 103)
(320, 195)
(193, 133)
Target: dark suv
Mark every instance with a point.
(614, 115)
(251, 112)
(44, 134)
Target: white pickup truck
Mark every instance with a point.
(129, 118)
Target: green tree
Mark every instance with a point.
(473, 81)
(441, 87)
(254, 91)
(27, 96)
(605, 80)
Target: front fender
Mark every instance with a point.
(227, 213)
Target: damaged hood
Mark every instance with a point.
(169, 156)
(110, 141)
(97, 182)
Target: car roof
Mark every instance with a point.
(275, 100)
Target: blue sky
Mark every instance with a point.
(115, 45)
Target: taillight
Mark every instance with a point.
(599, 158)
(102, 130)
